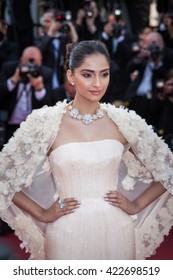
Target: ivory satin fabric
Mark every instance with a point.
(96, 230)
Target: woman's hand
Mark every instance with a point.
(58, 210)
(117, 199)
(152, 193)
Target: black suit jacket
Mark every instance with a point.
(44, 43)
(9, 51)
(8, 100)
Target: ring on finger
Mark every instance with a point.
(61, 203)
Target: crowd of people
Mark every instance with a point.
(34, 73)
(140, 61)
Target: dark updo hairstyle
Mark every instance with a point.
(77, 52)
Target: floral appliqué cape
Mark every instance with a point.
(24, 165)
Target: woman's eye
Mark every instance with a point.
(106, 74)
(87, 75)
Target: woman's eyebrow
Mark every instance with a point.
(89, 70)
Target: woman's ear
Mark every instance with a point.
(70, 77)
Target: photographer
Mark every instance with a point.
(118, 42)
(58, 30)
(114, 31)
(151, 63)
(88, 23)
(24, 86)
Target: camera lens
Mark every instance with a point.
(155, 51)
(88, 12)
(65, 28)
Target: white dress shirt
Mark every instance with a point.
(24, 101)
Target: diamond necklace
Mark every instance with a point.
(87, 118)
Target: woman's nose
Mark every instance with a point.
(96, 82)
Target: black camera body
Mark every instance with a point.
(64, 17)
(88, 12)
(155, 51)
(116, 29)
(60, 16)
(87, 8)
(160, 87)
(30, 68)
(65, 28)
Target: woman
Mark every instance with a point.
(87, 180)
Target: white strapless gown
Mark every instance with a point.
(96, 230)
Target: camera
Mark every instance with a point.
(30, 68)
(116, 30)
(118, 14)
(87, 9)
(160, 87)
(135, 48)
(64, 17)
(88, 12)
(65, 28)
(155, 51)
(60, 17)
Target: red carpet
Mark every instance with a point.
(165, 251)
(11, 242)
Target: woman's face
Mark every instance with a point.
(91, 79)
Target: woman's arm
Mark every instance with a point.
(148, 196)
(51, 214)
(117, 199)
